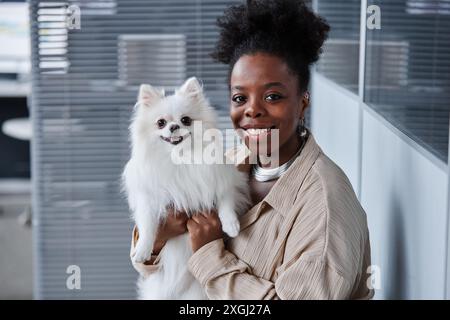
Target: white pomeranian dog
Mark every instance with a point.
(152, 181)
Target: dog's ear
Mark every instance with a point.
(191, 88)
(148, 94)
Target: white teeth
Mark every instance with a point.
(253, 131)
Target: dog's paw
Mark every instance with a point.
(141, 257)
(142, 253)
(231, 227)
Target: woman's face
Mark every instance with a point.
(264, 94)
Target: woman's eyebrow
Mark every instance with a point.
(266, 86)
(273, 84)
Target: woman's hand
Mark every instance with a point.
(174, 225)
(203, 228)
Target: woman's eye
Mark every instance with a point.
(273, 97)
(238, 99)
(186, 121)
(161, 123)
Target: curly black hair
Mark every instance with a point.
(285, 28)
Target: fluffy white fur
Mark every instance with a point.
(152, 182)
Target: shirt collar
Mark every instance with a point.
(284, 192)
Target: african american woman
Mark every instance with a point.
(305, 235)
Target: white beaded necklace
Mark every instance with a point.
(267, 174)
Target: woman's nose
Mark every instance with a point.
(254, 111)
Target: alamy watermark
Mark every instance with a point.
(374, 280)
(207, 146)
(374, 19)
(73, 281)
(73, 17)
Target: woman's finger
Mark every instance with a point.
(209, 213)
(181, 216)
(191, 224)
(199, 218)
(214, 213)
(181, 213)
(204, 213)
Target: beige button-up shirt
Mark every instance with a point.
(307, 239)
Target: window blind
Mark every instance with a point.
(85, 83)
(340, 59)
(408, 70)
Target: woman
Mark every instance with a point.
(306, 235)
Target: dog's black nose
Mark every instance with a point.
(174, 127)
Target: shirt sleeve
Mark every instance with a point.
(148, 267)
(224, 276)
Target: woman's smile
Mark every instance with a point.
(257, 132)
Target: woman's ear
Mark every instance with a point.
(304, 104)
(148, 94)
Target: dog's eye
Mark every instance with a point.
(186, 121)
(161, 123)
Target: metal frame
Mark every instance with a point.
(361, 81)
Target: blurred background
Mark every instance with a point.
(69, 75)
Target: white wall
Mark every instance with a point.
(403, 192)
(405, 197)
(335, 125)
